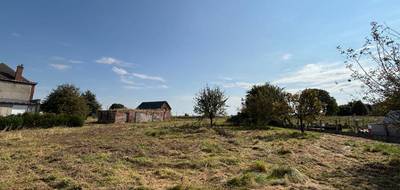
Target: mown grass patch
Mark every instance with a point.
(385, 149)
(211, 147)
(167, 173)
(141, 161)
(259, 175)
(284, 135)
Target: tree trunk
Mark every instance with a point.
(301, 125)
(211, 121)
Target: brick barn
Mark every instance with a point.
(145, 112)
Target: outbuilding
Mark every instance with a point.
(145, 112)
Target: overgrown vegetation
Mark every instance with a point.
(184, 154)
(35, 120)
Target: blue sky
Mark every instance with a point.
(133, 51)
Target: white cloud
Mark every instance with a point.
(64, 60)
(75, 61)
(119, 71)
(317, 74)
(226, 78)
(109, 61)
(332, 77)
(286, 56)
(244, 85)
(60, 66)
(147, 77)
(129, 79)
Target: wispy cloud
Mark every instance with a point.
(129, 79)
(59, 66)
(317, 74)
(119, 71)
(226, 78)
(332, 77)
(109, 61)
(147, 77)
(229, 82)
(114, 61)
(65, 60)
(286, 56)
(243, 85)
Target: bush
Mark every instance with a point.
(75, 121)
(11, 122)
(35, 120)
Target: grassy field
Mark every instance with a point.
(181, 155)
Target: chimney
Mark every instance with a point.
(18, 72)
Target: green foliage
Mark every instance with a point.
(307, 106)
(258, 166)
(289, 173)
(265, 104)
(386, 149)
(358, 108)
(329, 103)
(116, 106)
(11, 122)
(91, 102)
(345, 110)
(210, 103)
(35, 120)
(65, 99)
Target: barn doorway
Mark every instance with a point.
(127, 117)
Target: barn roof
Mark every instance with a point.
(8, 74)
(153, 105)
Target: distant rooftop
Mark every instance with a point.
(8, 74)
(153, 105)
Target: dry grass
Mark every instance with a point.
(182, 155)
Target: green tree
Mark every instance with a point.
(92, 102)
(358, 108)
(345, 110)
(116, 106)
(329, 102)
(210, 103)
(65, 99)
(306, 106)
(266, 104)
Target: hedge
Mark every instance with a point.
(35, 120)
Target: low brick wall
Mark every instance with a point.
(132, 116)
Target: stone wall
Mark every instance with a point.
(132, 116)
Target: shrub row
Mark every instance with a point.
(35, 120)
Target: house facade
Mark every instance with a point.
(145, 112)
(16, 92)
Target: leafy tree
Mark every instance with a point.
(92, 102)
(210, 103)
(65, 99)
(358, 108)
(381, 76)
(116, 106)
(345, 110)
(306, 106)
(266, 104)
(329, 102)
